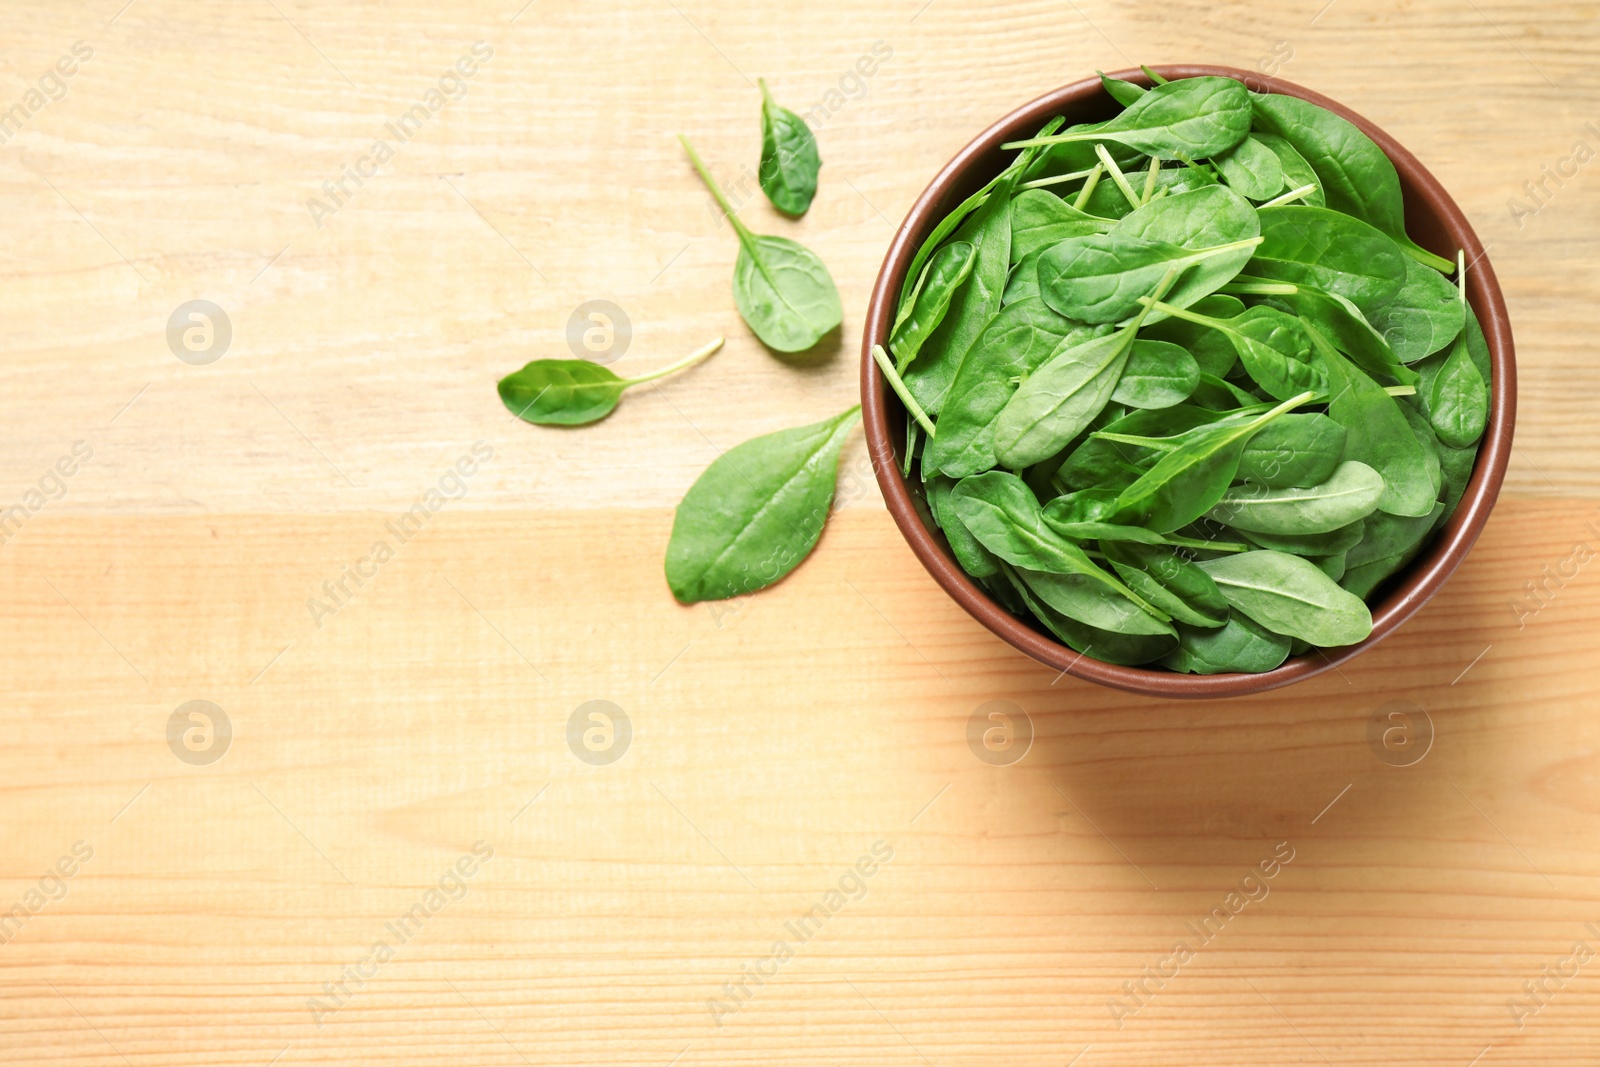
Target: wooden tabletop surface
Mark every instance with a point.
(398, 829)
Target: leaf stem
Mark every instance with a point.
(1208, 546)
(1150, 180)
(1290, 197)
(1184, 313)
(881, 357)
(716, 190)
(1425, 257)
(692, 358)
(1260, 288)
(1088, 186)
(1116, 173)
(1058, 179)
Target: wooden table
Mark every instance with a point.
(400, 841)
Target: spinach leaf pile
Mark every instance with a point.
(1179, 386)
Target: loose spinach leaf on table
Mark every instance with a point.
(1290, 596)
(781, 288)
(756, 512)
(571, 392)
(789, 160)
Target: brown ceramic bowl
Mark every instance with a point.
(1432, 219)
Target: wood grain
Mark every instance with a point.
(776, 740)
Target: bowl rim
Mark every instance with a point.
(1407, 592)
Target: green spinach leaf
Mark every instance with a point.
(1350, 493)
(1377, 433)
(571, 392)
(1291, 596)
(756, 512)
(1356, 177)
(1331, 251)
(781, 288)
(1195, 118)
(789, 160)
(1012, 346)
(1297, 450)
(1241, 646)
(930, 301)
(1157, 375)
(1252, 169)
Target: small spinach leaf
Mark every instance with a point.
(571, 392)
(781, 288)
(789, 160)
(1251, 169)
(1157, 375)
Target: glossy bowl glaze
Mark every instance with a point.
(1432, 219)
